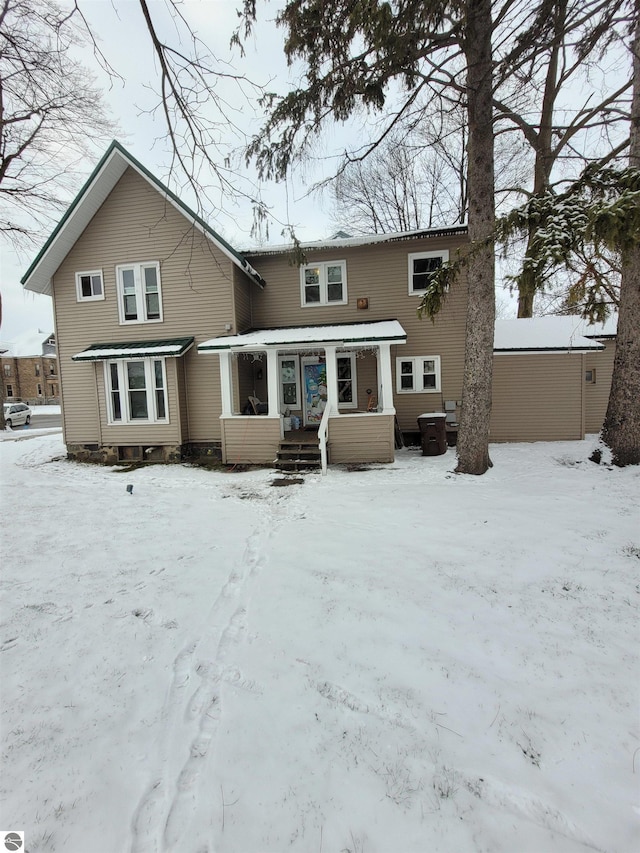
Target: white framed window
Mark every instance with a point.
(418, 374)
(421, 266)
(289, 373)
(324, 283)
(139, 293)
(136, 391)
(89, 287)
(347, 390)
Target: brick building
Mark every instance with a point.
(29, 369)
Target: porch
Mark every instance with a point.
(283, 385)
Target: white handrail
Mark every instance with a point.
(323, 430)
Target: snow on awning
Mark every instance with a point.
(542, 334)
(389, 331)
(170, 348)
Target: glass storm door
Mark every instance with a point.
(315, 390)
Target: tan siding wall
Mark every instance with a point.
(537, 397)
(380, 273)
(597, 395)
(242, 289)
(135, 224)
(250, 440)
(183, 398)
(364, 438)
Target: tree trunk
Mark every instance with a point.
(543, 150)
(621, 430)
(473, 439)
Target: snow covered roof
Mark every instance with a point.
(544, 334)
(29, 344)
(362, 240)
(135, 349)
(348, 333)
(85, 205)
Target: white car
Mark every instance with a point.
(16, 414)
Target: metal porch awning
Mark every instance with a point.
(166, 348)
(290, 337)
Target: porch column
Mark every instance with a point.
(273, 391)
(226, 385)
(332, 378)
(385, 378)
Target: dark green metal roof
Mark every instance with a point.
(167, 347)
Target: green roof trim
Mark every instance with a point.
(167, 347)
(116, 146)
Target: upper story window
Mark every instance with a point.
(89, 286)
(37, 369)
(136, 390)
(139, 293)
(418, 374)
(7, 369)
(324, 283)
(422, 265)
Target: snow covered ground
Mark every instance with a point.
(378, 661)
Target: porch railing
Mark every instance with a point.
(323, 432)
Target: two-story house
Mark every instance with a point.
(171, 342)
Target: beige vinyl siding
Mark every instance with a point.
(135, 224)
(378, 272)
(183, 398)
(242, 290)
(361, 438)
(250, 440)
(597, 395)
(537, 397)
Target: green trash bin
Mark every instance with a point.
(433, 433)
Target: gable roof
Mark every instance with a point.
(544, 334)
(88, 201)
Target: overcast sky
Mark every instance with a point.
(119, 26)
(124, 40)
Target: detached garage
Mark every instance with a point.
(540, 379)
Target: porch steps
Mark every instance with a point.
(295, 456)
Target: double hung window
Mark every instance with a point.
(136, 390)
(418, 374)
(422, 265)
(324, 283)
(139, 293)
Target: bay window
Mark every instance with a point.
(136, 390)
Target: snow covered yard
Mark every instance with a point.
(379, 661)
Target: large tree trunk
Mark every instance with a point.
(543, 150)
(473, 440)
(621, 430)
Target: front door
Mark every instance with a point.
(314, 380)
